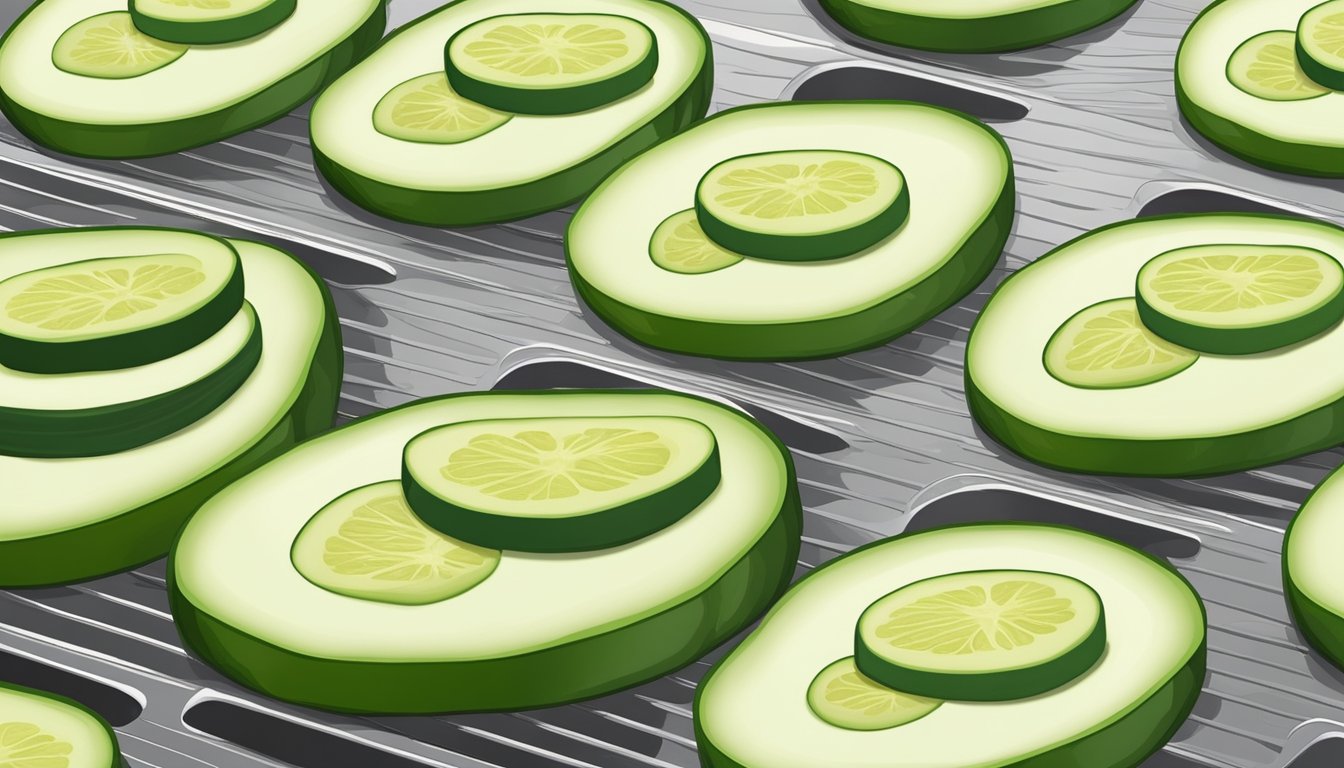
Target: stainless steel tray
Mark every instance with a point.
(882, 439)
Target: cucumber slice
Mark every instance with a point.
(842, 696)
(368, 544)
(972, 26)
(162, 294)
(42, 730)
(1220, 414)
(1238, 299)
(207, 22)
(1320, 44)
(801, 205)
(551, 63)
(527, 165)
(164, 98)
(752, 711)
(560, 484)
(1107, 346)
(1240, 82)
(963, 176)
(427, 110)
(519, 638)
(982, 635)
(1311, 569)
(53, 529)
(680, 245)
(94, 414)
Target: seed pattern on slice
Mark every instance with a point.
(550, 49)
(1266, 66)
(81, 299)
(1106, 346)
(1227, 282)
(785, 190)
(680, 245)
(24, 745)
(109, 46)
(1007, 615)
(425, 109)
(541, 465)
(1328, 34)
(843, 697)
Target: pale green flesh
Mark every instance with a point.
(38, 732)
(74, 391)
(1202, 71)
(956, 166)
(200, 10)
(1155, 622)
(368, 544)
(204, 80)
(556, 467)
(841, 696)
(962, 9)
(528, 603)
(426, 109)
(680, 245)
(514, 51)
(102, 297)
(527, 147)
(1217, 395)
(1312, 555)
(1321, 34)
(1106, 346)
(46, 496)
(1266, 67)
(108, 46)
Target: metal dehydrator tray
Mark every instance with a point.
(882, 439)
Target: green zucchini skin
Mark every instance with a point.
(117, 760)
(1318, 72)
(611, 527)
(214, 32)
(992, 34)
(1241, 341)
(146, 533)
(154, 139)
(561, 674)
(1322, 628)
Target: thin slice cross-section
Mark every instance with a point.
(209, 22)
(1320, 44)
(680, 245)
(109, 46)
(1266, 66)
(842, 696)
(426, 110)
(1107, 346)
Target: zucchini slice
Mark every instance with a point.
(1320, 44)
(431, 155)
(79, 77)
(54, 529)
(156, 294)
(43, 730)
(515, 639)
(1117, 402)
(758, 707)
(1312, 569)
(643, 272)
(209, 22)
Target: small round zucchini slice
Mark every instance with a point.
(801, 205)
(982, 635)
(42, 730)
(560, 484)
(844, 697)
(1313, 572)
(208, 22)
(1107, 346)
(174, 291)
(551, 63)
(1320, 44)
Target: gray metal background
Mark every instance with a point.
(882, 438)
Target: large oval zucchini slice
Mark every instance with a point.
(42, 730)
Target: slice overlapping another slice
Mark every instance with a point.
(41, 730)
(209, 22)
(353, 606)
(1320, 44)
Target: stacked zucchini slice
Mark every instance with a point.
(795, 230)
(1063, 648)
(490, 110)
(491, 552)
(140, 370)
(40, 730)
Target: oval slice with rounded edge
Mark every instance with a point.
(1239, 299)
(1319, 44)
(120, 311)
(367, 543)
(843, 697)
(209, 22)
(752, 710)
(767, 309)
(680, 245)
(1224, 413)
(94, 414)
(108, 46)
(551, 63)
(425, 109)
(532, 163)
(170, 98)
(1266, 66)
(517, 640)
(982, 635)
(1107, 346)
(559, 484)
(1312, 569)
(43, 730)
(801, 205)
